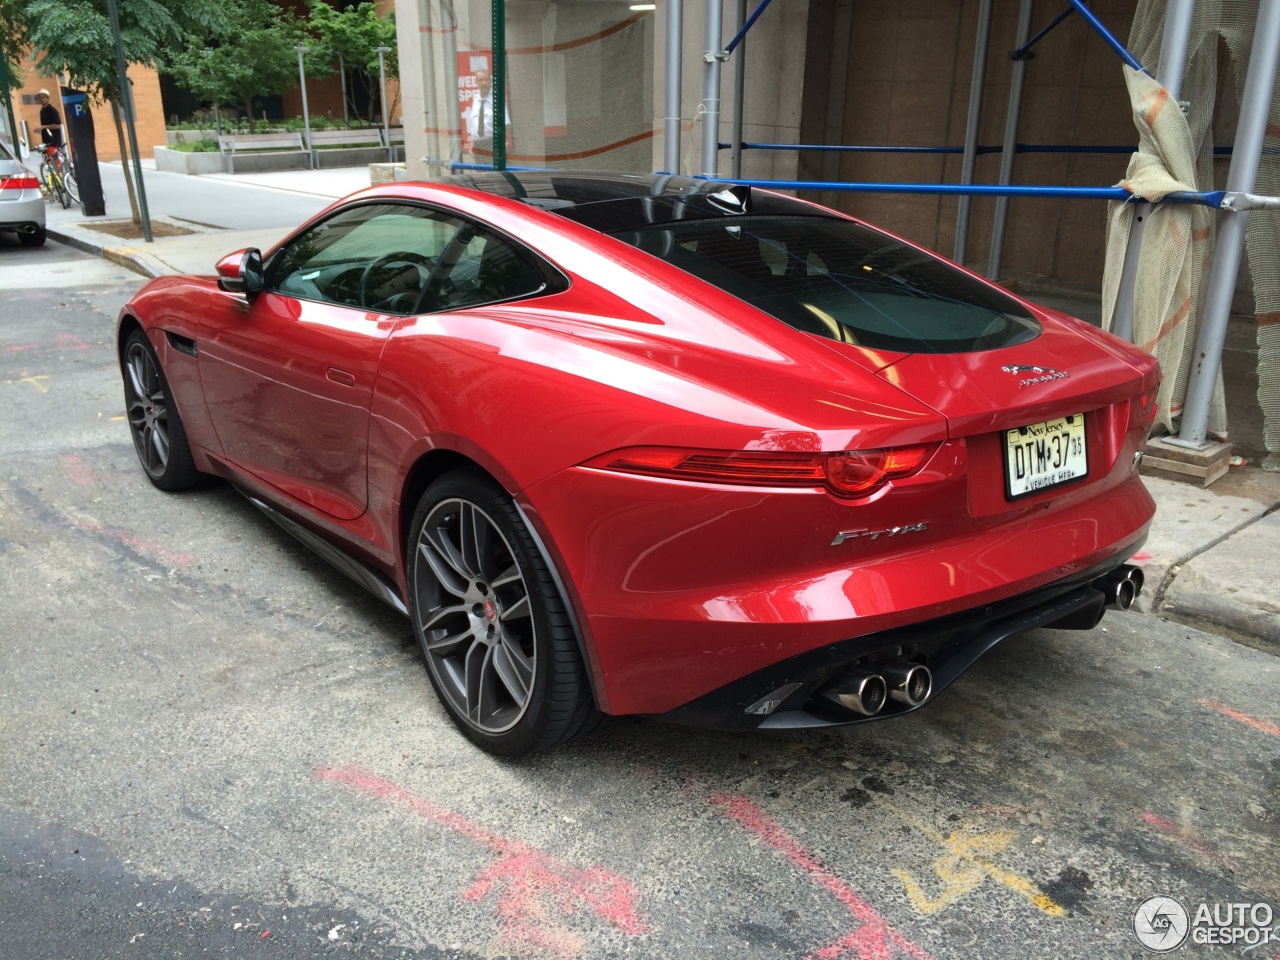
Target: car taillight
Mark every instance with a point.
(19, 183)
(849, 473)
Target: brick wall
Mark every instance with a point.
(146, 95)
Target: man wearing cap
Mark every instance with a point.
(50, 121)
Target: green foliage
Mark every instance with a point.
(353, 37)
(255, 56)
(203, 145)
(75, 35)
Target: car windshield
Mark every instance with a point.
(843, 280)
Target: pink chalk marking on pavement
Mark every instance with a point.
(19, 349)
(138, 543)
(1184, 836)
(1142, 557)
(527, 880)
(1242, 717)
(875, 939)
(69, 341)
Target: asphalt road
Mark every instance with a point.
(211, 745)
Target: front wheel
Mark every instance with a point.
(498, 644)
(158, 435)
(73, 188)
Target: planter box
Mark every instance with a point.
(194, 164)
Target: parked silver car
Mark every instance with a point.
(21, 205)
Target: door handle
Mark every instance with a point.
(341, 376)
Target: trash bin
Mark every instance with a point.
(84, 151)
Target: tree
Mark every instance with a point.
(256, 57)
(74, 38)
(353, 37)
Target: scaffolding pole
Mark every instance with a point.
(1255, 111)
(1010, 141)
(712, 59)
(1173, 60)
(671, 122)
(739, 80)
(971, 127)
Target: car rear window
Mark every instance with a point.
(843, 280)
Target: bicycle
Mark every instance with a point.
(57, 176)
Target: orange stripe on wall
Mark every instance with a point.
(1267, 319)
(569, 44)
(580, 155)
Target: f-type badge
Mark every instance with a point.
(1038, 374)
(844, 535)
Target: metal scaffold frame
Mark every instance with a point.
(1234, 202)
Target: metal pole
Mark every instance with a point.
(450, 99)
(1255, 111)
(1011, 118)
(971, 127)
(739, 79)
(306, 115)
(499, 84)
(1173, 58)
(711, 90)
(386, 124)
(671, 122)
(126, 104)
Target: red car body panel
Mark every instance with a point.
(678, 587)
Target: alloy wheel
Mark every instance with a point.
(147, 409)
(475, 620)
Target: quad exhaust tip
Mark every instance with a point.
(909, 683)
(1122, 586)
(861, 692)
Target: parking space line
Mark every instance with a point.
(874, 939)
(531, 886)
(1242, 717)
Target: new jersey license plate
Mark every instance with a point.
(1044, 455)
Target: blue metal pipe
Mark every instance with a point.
(737, 38)
(1107, 35)
(1208, 199)
(1022, 50)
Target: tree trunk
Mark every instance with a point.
(124, 164)
(248, 111)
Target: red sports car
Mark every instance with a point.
(652, 445)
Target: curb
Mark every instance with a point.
(131, 258)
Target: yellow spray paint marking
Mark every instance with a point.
(34, 381)
(967, 863)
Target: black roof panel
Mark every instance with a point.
(619, 201)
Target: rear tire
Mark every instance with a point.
(498, 644)
(156, 427)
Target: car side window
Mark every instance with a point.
(376, 257)
(481, 267)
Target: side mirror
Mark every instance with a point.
(241, 272)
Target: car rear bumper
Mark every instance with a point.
(790, 694)
(682, 589)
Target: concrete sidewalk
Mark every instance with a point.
(1213, 556)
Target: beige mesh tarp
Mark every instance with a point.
(1221, 37)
